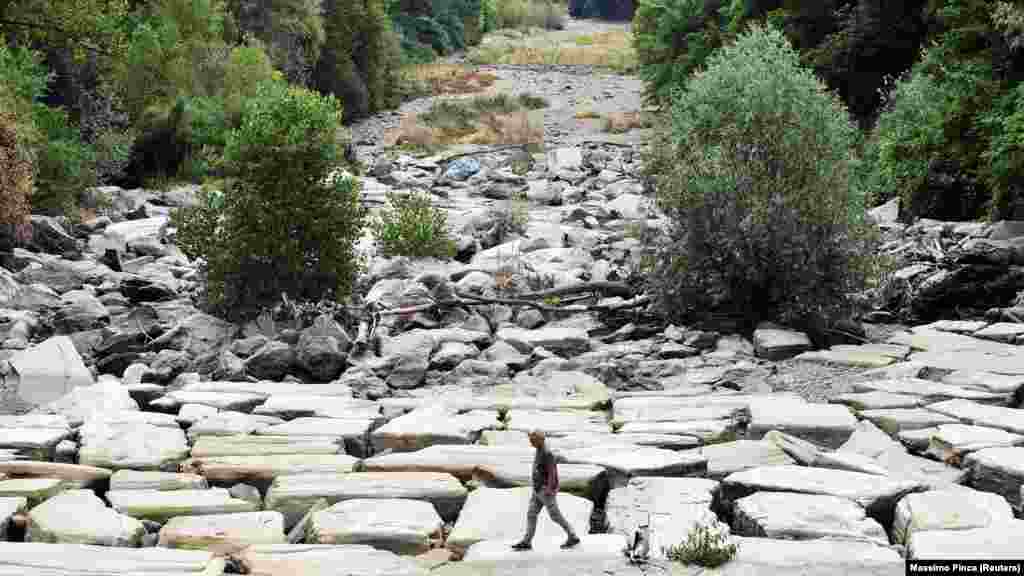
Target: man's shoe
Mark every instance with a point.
(522, 546)
(572, 541)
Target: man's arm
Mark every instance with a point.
(550, 473)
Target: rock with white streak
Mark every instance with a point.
(401, 526)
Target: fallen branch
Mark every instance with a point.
(607, 288)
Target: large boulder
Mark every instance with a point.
(47, 371)
(80, 517)
(401, 526)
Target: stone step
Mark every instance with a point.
(253, 445)
(80, 517)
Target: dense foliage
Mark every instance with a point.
(932, 82)
(284, 223)
(604, 9)
(756, 174)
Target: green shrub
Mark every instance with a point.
(282, 225)
(65, 165)
(923, 130)
(22, 81)
(755, 174)
(707, 546)
(1004, 159)
(411, 226)
(604, 9)
(673, 38)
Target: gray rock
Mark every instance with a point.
(168, 364)
(348, 559)
(47, 371)
(877, 400)
(402, 526)
(670, 507)
(1009, 419)
(219, 530)
(824, 424)
(957, 509)
(773, 343)
(878, 494)
(60, 520)
(49, 236)
(271, 362)
(131, 445)
(246, 492)
(530, 318)
(451, 354)
(160, 506)
(1001, 332)
(562, 159)
(80, 310)
(998, 470)
(247, 346)
(896, 420)
(563, 341)
(321, 356)
(729, 457)
(956, 440)
(997, 542)
(411, 355)
(476, 520)
(788, 516)
(139, 480)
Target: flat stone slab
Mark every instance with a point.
(998, 470)
(670, 507)
(789, 516)
(240, 402)
(459, 460)
(32, 440)
(1009, 419)
(1005, 360)
(925, 388)
(948, 510)
(10, 506)
(957, 440)
(293, 495)
(267, 389)
(34, 421)
(705, 431)
(34, 490)
(47, 371)
(401, 526)
(779, 344)
(319, 406)
(877, 494)
(998, 383)
(1001, 332)
(432, 426)
(320, 427)
(624, 411)
(825, 424)
(564, 341)
(476, 521)
(591, 546)
(226, 423)
(142, 480)
(866, 358)
(80, 517)
(555, 423)
(877, 400)
(957, 326)
(830, 553)
(326, 560)
(266, 467)
(38, 559)
(728, 457)
(896, 420)
(135, 446)
(160, 505)
(251, 445)
(995, 542)
(215, 531)
(868, 440)
(638, 460)
(70, 472)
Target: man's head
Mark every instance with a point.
(536, 438)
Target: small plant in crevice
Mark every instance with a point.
(412, 226)
(706, 545)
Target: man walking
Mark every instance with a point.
(545, 488)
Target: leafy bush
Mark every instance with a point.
(767, 222)
(673, 38)
(65, 165)
(292, 32)
(361, 57)
(22, 80)
(282, 224)
(1004, 159)
(411, 226)
(707, 546)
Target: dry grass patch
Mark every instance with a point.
(437, 78)
(613, 49)
(622, 122)
(499, 119)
